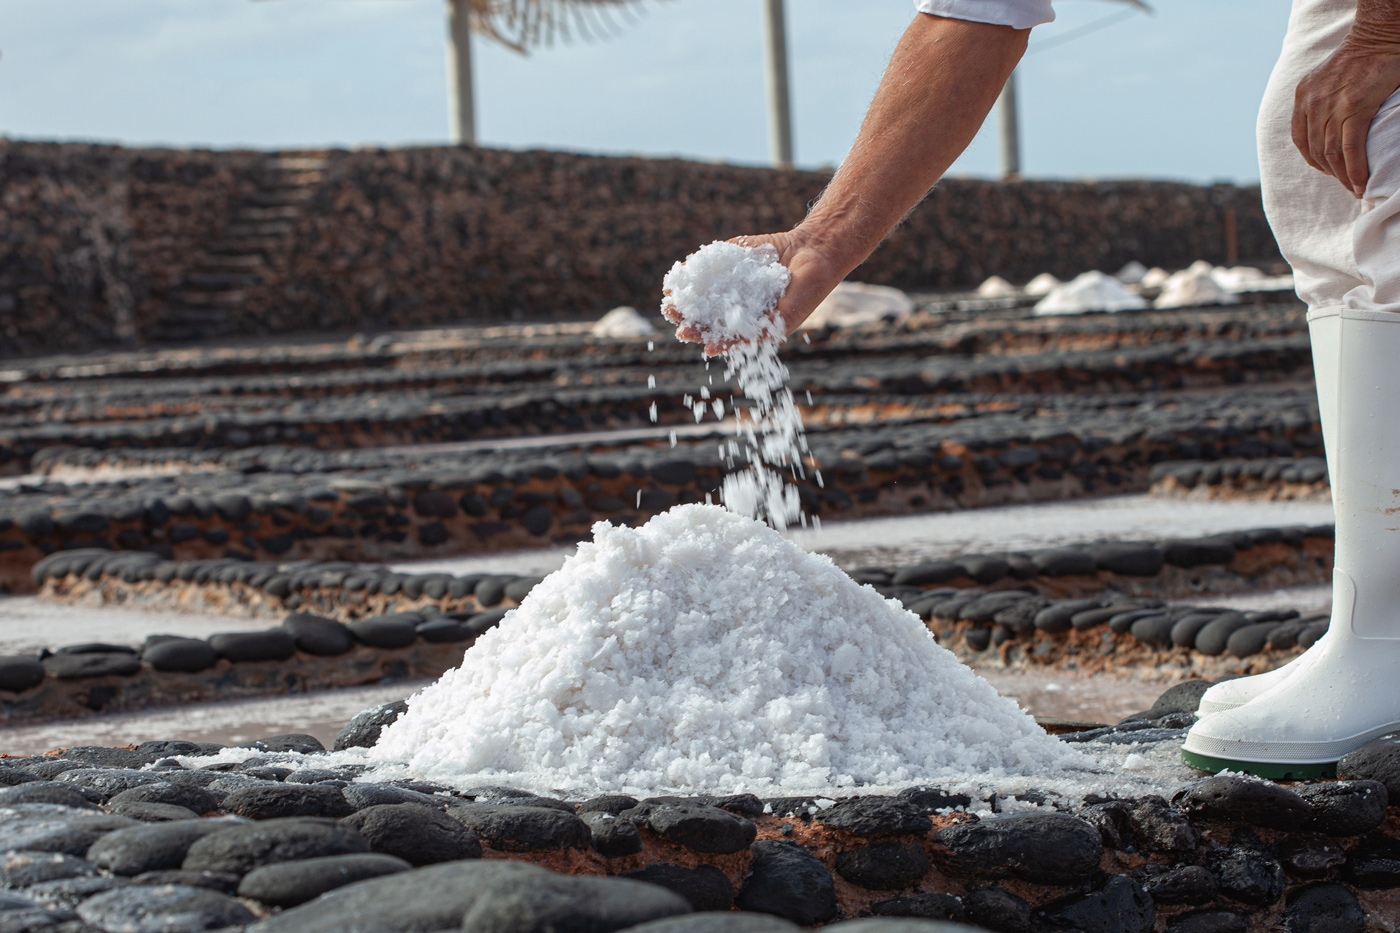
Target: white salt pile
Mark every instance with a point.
(1092, 291)
(622, 322)
(996, 287)
(852, 304)
(1192, 288)
(704, 652)
(1131, 273)
(1042, 284)
(725, 295)
(1155, 277)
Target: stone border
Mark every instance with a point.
(1223, 853)
(1274, 478)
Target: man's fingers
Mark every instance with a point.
(1300, 129)
(1358, 172)
(1317, 142)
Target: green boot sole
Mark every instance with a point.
(1274, 771)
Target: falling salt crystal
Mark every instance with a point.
(718, 407)
(651, 381)
(704, 392)
(652, 411)
(809, 396)
(639, 498)
(727, 294)
(651, 345)
(673, 438)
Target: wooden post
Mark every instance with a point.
(1232, 238)
(1010, 130)
(460, 101)
(779, 106)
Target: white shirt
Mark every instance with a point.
(1018, 14)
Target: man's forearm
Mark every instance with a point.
(1377, 23)
(942, 80)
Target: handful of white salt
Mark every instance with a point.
(725, 294)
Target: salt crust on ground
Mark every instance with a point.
(704, 652)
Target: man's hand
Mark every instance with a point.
(814, 275)
(1334, 105)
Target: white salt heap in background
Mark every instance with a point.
(703, 652)
(622, 322)
(1092, 291)
(728, 294)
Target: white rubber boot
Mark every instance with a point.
(1343, 693)
(1324, 330)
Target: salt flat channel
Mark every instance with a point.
(909, 539)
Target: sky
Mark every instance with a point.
(1170, 95)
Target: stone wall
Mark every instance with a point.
(97, 242)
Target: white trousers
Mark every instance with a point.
(1344, 252)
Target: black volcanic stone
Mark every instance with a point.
(1214, 636)
(1180, 884)
(384, 633)
(69, 833)
(277, 801)
(427, 899)
(104, 664)
(108, 782)
(718, 922)
(270, 645)
(443, 631)
(1246, 875)
(704, 887)
(188, 796)
(1055, 618)
(1377, 760)
(520, 829)
(874, 815)
(570, 902)
(998, 910)
(1182, 698)
(788, 881)
(611, 803)
(1120, 906)
(1345, 808)
(1245, 800)
(156, 847)
(287, 884)
(181, 655)
(20, 672)
(1043, 848)
(11, 776)
(298, 742)
(414, 833)
(141, 907)
(1197, 552)
(66, 795)
(1250, 640)
(927, 573)
(168, 747)
(921, 907)
(363, 731)
(317, 635)
(240, 849)
(1310, 856)
(20, 869)
(702, 828)
(1374, 863)
(1132, 560)
(930, 799)
(99, 757)
(613, 837)
(222, 882)
(1323, 908)
(889, 866)
(1061, 562)
(1209, 921)
(362, 795)
(154, 812)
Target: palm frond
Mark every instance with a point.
(527, 24)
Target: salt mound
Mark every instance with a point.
(727, 292)
(704, 652)
(996, 287)
(1192, 288)
(1154, 277)
(852, 304)
(1131, 273)
(622, 322)
(1238, 278)
(1042, 284)
(1092, 291)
